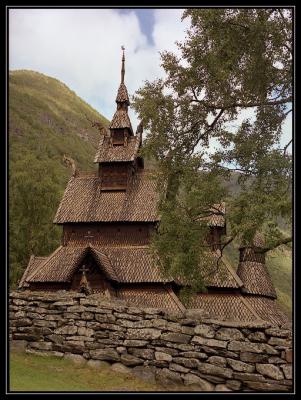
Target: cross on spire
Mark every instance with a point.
(122, 65)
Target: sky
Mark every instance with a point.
(82, 48)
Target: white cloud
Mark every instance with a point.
(81, 47)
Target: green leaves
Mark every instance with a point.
(233, 61)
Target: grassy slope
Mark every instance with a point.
(35, 373)
(48, 120)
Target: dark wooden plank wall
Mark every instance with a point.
(108, 234)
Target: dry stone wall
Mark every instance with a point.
(190, 350)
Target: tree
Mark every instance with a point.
(33, 199)
(233, 63)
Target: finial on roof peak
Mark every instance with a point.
(122, 64)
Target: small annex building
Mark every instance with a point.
(107, 220)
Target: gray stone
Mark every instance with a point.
(246, 347)
(121, 349)
(125, 323)
(66, 330)
(205, 331)
(105, 318)
(210, 369)
(44, 323)
(64, 303)
(257, 337)
(245, 376)
(288, 371)
(229, 334)
(105, 354)
(178, 368)
(120, 368)
(162, 356)
(165, 377)
(80, 338)
(146, 373)
(276, 360)
(267, 387)
(187, 362)
(252, 357)
(172, 352)
(216, 360)
(87, 315)
(194, 354)
(240, 366)
(159, 323)
(111, 327)
(176, 337)
(209, 342)
(276, 341)
(82, 331)
(18, 345)
(188, 322)
(270, 371)
(130, 360)
(222, 388)
(76, 358)
(147, 354)
(41, 345)
(80, 323)
(240, 324)
(146, 334)
(26, 336)
(134, 343)
(182, 347)
(233, 384)
(127, 316)
(23, 322)
(98, 364)
(282, 333)
(202, 384)
(210, 378)
(76, 308)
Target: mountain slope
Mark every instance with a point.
(46, 121)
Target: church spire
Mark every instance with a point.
(122, 94)
(122, 65)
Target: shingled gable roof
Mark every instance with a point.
(120, 120)
(128, 264)
(84, 201)
(33, 265)
(225, 306)
(108, 153)
(256, 279)
(122, 94)
(63, 262)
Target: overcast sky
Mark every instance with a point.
(82, 48)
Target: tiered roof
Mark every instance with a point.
(108, 153)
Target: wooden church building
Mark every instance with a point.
(107, 220)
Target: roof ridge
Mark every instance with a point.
(103, 254)
(44, 263)
(249, 306)
(233, 273)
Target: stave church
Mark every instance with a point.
(107, 219)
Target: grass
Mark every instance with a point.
(36, 373)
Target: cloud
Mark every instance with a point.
(81, 47)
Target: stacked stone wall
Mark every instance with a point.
(190, 349)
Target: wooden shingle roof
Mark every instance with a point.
(33, 265)
(268, 309)
(84, 201)
(63, 262)
(122, 94)
(155, 297)
(120, 120)
(256, 278)
(225, 306)
(108, 153)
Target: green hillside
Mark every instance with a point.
(46, 121)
